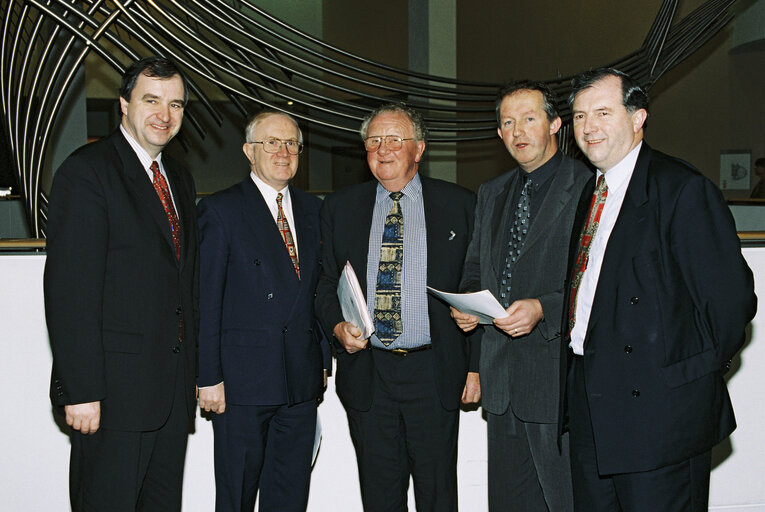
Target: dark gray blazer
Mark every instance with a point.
(524, 370)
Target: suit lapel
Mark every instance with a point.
(501, 221)
(623, 243)
(552, 206)
(359, 225)
(258, 220)
(142, 189)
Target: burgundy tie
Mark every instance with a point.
(160, 185)
(284, 229)
(585, 240)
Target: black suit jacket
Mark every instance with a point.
(346, 219)
(258, 332)
(672, 301)
(523, 371)
(114, 291)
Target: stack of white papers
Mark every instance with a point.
(352, 302)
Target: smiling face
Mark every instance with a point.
(394, 169)
(275, 169)
(524, 128)
(604, 129)
(154, 112)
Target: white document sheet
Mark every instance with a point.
(481, 304)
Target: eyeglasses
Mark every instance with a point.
(274, 145)
(392, 142)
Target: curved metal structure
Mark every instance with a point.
(252, 57)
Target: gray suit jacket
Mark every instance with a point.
(524, 370)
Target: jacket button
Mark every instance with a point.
(635, 393)
(256, 261)
(176, 349)
(628, 349)
(178, 310)
(284, 331)
(634, 300)
(270, 296)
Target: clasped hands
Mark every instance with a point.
(522, 316)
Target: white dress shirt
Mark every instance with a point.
(617, 179)
(269, 195)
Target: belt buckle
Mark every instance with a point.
(400, 351)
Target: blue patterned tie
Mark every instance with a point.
(517, 236)
(387, 316)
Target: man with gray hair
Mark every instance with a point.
(401, 387)
(261, 353)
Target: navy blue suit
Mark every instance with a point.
(258, 336)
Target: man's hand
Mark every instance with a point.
(213, 398)
(472, 392)
(522, 316)
(348, 334)
(85, 417)
(464, 321)
(324, 372)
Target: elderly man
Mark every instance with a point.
(260, 352)
(519, 251)
(659, 299)
(120, 301)
(401, 388)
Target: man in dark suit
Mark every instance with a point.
(260, 350)
(401, 388)
(659, 298)
(120, 301)
(519, 252)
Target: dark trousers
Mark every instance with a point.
(527, 472)
(406, 432)
(123, 471)
(264, 447)
(680, 487)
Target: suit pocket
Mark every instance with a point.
(690, 369)
(122, 342)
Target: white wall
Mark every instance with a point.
(35, 451)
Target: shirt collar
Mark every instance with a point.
(618, 176)
(412, 190)
(544, 172)
(267, 191)
(142, 154)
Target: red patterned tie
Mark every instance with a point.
(160, 185)
(585, 240)
(284, 229)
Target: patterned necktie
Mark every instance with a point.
(284, 229)
(387, 315)
(518, 233)
(585, 241)
(163, 191)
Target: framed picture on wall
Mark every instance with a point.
(735, 169)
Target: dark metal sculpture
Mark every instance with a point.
(252, 57)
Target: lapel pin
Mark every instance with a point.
(452, 234)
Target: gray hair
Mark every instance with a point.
(418, 125)
(261, 116)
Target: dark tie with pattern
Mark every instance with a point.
(284, 229)
(585, 241)
(518, 233)
(387, 316)
(163, 191)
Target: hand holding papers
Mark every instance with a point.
(481, 304)
(352, 302)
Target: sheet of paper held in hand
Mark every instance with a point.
(352, 302)
(481, 304)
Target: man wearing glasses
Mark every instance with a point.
(261, 354)
(401, 387)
